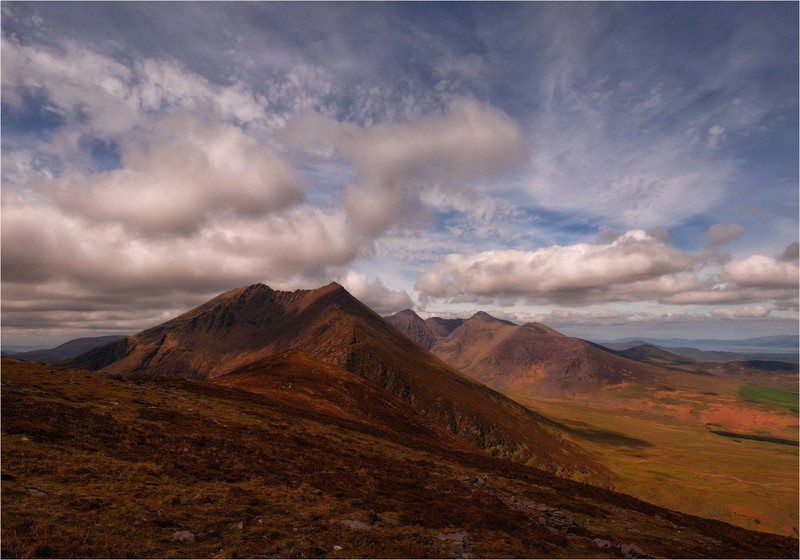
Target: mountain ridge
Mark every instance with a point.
(530, 358)
(245, 325)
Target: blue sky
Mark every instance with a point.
(605, 168)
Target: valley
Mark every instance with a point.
(715, 439)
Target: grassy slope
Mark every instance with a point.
(123, 465)
(657, 440)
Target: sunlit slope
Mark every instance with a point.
(250, 324)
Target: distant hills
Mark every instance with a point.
(236, 337)
(766, 344)
(530, 358)
(64, 351)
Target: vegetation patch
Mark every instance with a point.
(776, 397)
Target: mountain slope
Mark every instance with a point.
(101, 467)
(532, 358)
(68, 350)
(249, 324)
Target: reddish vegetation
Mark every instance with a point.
(247, 325)
(95, 466)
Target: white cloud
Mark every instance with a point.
(634, 265)
(179, 175)
(396, 160)
(374, 294)
(763, 272)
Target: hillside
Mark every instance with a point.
(68, 350)
(530, 358)
(248, 325)
(97, 466)
(653, 355)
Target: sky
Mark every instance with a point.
(608, 169)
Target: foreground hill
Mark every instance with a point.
(248, 325)
(528, 359)
(96, 466)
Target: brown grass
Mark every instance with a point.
(124, 465)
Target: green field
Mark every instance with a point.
(776, 397)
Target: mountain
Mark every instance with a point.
(68, 350)
(530, 358)
(767, 344)
(248, 325)
(103, 467)
(653, 355)
(415, 328)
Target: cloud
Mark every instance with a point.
(374, 294)
(635, 265)
(396, 160)
(719, 234)
(716, 134)
(760, 271)
(177, 176)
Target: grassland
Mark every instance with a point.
(98, 467)
(766, 395)
(660, 440)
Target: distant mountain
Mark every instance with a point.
(530, 358)
(246, 326)
(65, 351)
(767, 344)
(654, 355)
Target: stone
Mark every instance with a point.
(36, 492)
(632, 551)
(356, 524)
(602, 544)
(183, 536)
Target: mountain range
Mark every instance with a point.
(530, 358)
(234, 339)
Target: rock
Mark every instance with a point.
(36, 492)
(337, 547)
(183, 536)
(602, 544)
(356, 524)
(240, 525)
(632, 551)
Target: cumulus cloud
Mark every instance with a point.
(175, 177)
(375, 294)
(763, 272)
(718, 234)
(633, 265)
(395, 160)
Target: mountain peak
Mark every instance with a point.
(332, 287)
(483, 317)
(406, 314)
